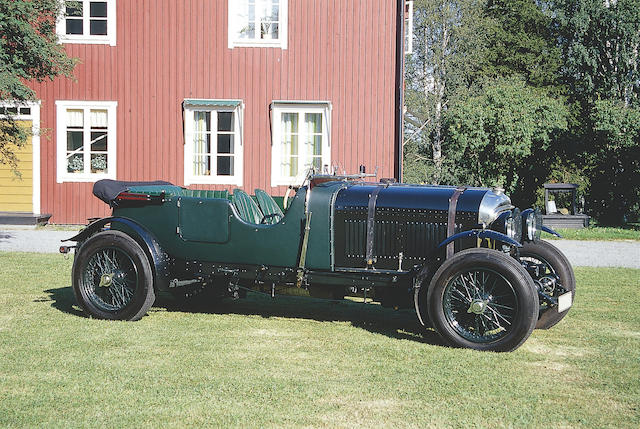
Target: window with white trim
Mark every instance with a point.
(213, 142)
(259, 23)
(300, 140)
(86, 140)
(408, 27)
(88, 21)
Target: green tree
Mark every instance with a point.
(613, 162)
(521, 42)
(448, 47)
(495, 134)
(600, 43)
(28, 51)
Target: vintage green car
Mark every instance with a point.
(470, 263)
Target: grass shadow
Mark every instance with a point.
(63, 299)
(400, 324)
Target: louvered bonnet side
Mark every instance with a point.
(408, 219)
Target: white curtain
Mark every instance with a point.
(99, 119)
(290, 144)
(199, 140)
(75, 118)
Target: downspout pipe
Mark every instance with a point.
(399, 95)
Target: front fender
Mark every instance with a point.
(480, 233)
(157, 257)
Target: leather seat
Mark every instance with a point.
(270, 209)
(247, 208)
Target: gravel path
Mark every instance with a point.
(600, 253)
(580, 253)
(33, 240)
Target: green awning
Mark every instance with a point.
(190, 102)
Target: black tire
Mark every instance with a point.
(556, 263)
(112, 277)
(494, 309)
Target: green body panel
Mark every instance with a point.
(320, 246)
(272, 245)
(194, 211)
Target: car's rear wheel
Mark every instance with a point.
(483, 300)
(554, 264)
(112, 277)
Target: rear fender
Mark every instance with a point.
(157, 257)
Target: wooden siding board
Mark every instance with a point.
(342, 51)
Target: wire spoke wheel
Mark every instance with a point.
(482, 299)
(554, 278)
(480, 304)
(110, 279)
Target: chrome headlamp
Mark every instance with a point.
(510, 224)
(531, 224)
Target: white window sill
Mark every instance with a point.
(214, 180)
(87, 40)
(257, 44)
(84, 178)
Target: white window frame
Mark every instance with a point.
(234, 23)
(235, 106)
(408, 24)
(85, 37)
(300, 107)
(61, 139)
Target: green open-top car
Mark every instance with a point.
(470, 263)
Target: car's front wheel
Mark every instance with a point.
(484, 300)
(555, 277)
(112, 277)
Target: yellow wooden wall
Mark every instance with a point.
(16, 193)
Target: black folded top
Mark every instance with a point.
(107, 190)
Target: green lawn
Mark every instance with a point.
(596, 233)
(300, 362)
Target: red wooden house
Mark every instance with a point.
(214, 94)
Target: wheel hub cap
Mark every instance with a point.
(106, 280)
(477, 306)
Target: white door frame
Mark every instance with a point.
(34, 117)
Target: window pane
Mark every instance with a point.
(316, 145)
(99, 163)
(75, 163)
(98, 9)
(98, 141)
(225, 143)
(225, 121)
(74, 140)
(275, 13)
(290, 123)
(74, 26)
(268, 30)
(25, 110)
(202, 121)
(317, 164)
(202, 165)
(75, 118)
(98, 119)
(73, 8)
(225, 166)
(98, 27)
(314, 122)
(248, 31)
